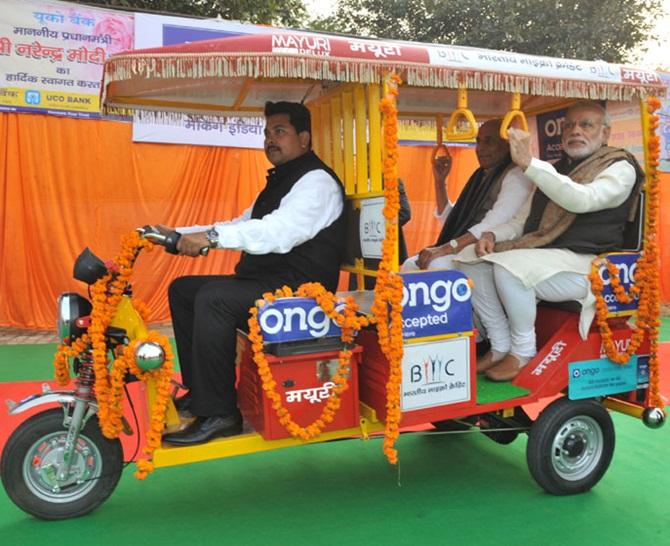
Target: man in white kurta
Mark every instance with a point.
(513, 190)
(507, 283)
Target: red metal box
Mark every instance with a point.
(438, 378)
(303, 382)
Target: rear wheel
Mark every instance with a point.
(570, 446)
(33, 457)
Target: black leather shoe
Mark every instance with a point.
(204, 429)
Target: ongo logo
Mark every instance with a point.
(291, 319)
(437, 294)
(435, 303)
(626, 273)
(626, 265)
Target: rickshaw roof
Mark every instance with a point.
(238, 74)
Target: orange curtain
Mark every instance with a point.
(414, 167)
(66, 184)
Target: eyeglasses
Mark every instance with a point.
(584, 124)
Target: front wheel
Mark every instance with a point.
(570, 446)
(32, 459)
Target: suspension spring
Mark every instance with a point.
(85, 382)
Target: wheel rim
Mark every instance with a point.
(577, 448)
(42, 463)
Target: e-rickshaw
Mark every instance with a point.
(314, 366)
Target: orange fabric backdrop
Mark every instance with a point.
(68, 183)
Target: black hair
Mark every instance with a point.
(298, 114)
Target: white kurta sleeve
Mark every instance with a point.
(513, 229)
(314, 202)
(514, 192)
(607, 190)
(442, 216)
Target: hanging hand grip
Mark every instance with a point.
(513, 114)
(461, 113)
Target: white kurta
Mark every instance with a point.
(532, 266)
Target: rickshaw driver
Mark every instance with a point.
(579, 210)
(492, 195)
(292, 234)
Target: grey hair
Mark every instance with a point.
(591, 105)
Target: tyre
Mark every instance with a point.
(570, 446)
(31, 460)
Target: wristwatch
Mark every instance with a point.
(453, 244)
(212, 237)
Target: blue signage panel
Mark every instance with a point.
(293, 319)
(589, 378)
(435, 303)
(549, 134)
(627, 264)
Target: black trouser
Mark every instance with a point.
(206, 310)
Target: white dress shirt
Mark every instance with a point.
(314, 202)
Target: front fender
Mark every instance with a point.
(64, 398)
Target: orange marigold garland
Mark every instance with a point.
(106, 295)
(647, 275)
(347, 321)
(387, 306)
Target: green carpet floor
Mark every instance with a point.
(448, 490)
(460, 489)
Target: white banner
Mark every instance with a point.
(533, 65)
(238, 132)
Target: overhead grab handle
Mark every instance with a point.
(513, 114)
(462, 124)
(440, 150)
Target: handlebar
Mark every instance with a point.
(168, 241)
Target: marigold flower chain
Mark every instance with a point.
(387, 306)
(106, 294)
(647, 279)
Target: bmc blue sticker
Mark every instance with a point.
(601, 377)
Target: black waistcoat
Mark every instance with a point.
(319, 258)
(590, 232)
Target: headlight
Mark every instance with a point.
(88, 267)
(149, 355)
(71, 306)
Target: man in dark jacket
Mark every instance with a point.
(292, 234)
